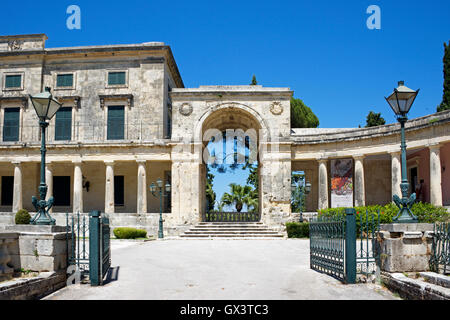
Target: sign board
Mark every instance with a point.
(341, 183)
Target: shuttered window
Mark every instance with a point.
(115, 78)
(64, 80)
(63, 124)
(7, 190)
(13, 81)
(119, 198)
(11, 124)
(115, 122)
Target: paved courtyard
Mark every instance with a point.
(217, 269)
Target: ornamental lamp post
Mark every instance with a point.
(46, 107)
(302, 194)
(159, 191)
(401, 101)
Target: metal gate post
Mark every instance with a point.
(94, 248)
(350, 246)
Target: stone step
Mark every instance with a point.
(230, 235)
(230, 232)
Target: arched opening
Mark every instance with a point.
(230, 167)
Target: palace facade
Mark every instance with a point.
(127, 120)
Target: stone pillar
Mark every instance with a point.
(17, 190)
(323, 184)
(109, 187)
(77, 187)
(360, 195)
(435, 175)
(396, 174)
(49, 182)
(141, 187)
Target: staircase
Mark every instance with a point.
(231, 230)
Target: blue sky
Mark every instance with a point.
(322, 50)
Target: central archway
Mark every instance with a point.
(230, 136)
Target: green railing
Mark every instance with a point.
(440, 249)
(336, 250)
(79, 242)
(327, 246)
(231, 217)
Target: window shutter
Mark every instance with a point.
(115, 78)
(13, 81)
(63, 124)
(64, 80)
(11, 124)
(115, 122)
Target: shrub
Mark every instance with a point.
(129, 233)
(297, 229)
(425, 213)
(22, 217)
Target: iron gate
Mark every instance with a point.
(78, 245)
(99, 247)
(90, 250)
(440, 249)
(345, 245)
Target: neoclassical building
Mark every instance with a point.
(127, 120)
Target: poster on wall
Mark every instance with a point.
(341, 183)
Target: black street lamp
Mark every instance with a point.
(303, 191)
(160, 192)
(46, 107)
(401, 101)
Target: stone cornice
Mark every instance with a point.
(22, 98)
(440, 118)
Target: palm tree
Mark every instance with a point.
(239, 196)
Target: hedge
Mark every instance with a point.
(425, 212)
(297, 229)
(129, 233)
(22, 217)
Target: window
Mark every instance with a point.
(7, 191)
(119, 191)
(63, 124)
(116, 78)
(61, 190)
(11, 124)
(13, 81)
(115, 122)
(64, 80)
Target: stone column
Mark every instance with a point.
(109, 187)
(17, 190)
(360, 195)
(435, 175)
(396, 174)
(77, 187)
(141, 187)
(49, 182)
(323, 184)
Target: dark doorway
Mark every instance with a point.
(119, 197)
(7, 190)
(61, 190)
(414, 181)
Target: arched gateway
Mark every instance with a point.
(263, 114)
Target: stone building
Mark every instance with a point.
(127, 120)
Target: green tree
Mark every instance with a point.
(210, 194)
(302, 116)
(238, 196)
(254, 82)
(374, 119)
(445, 104)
